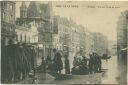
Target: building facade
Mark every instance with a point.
(122, 31)
(40, 16)
(26, 35)
(82, 35)
(100, 43)
(89, 42)
(7, 22)
(122, 43)
(62, 29)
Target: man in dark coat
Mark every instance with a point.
(58, 64)
(91, 63)
(99, 62)
(96, 62)
(67, 65)
(43, 65)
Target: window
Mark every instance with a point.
(16, 37)
(21, 38)
(5, 5)
(29, 39)
(3, 15)
(2, 4)
(25, 38)
(11, 7)
(12, 18)
(10, 29)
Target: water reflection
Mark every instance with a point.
(111, 75)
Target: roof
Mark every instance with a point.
(23, 4)
(33, 9)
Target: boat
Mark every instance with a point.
(72, 76)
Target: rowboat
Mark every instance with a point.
(70, 76)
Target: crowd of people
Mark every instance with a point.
(84, 65)
(55, 64)
(81, 64)
(17, 60)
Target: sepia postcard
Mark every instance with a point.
(64, 42)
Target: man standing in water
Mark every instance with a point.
(67, 65)
(58, 64)
(91, 64)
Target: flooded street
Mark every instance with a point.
(112, 72)
(109, 77)
(68, 42)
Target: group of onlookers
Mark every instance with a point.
(81, 64)
(56, 64)
(17, 60)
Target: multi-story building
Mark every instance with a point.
(7, 22)
(112, 47)
(100, 43)
(26, 35)
(75, 38)
(40, 16)
(89, 42)
(71, 36)
(47, 16)
(82, 35)
(122, 43)
(56, 44)
(61, 30)
(122, 33)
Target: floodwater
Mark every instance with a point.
(110, 77)
(112, 73)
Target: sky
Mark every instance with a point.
(100, 18)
